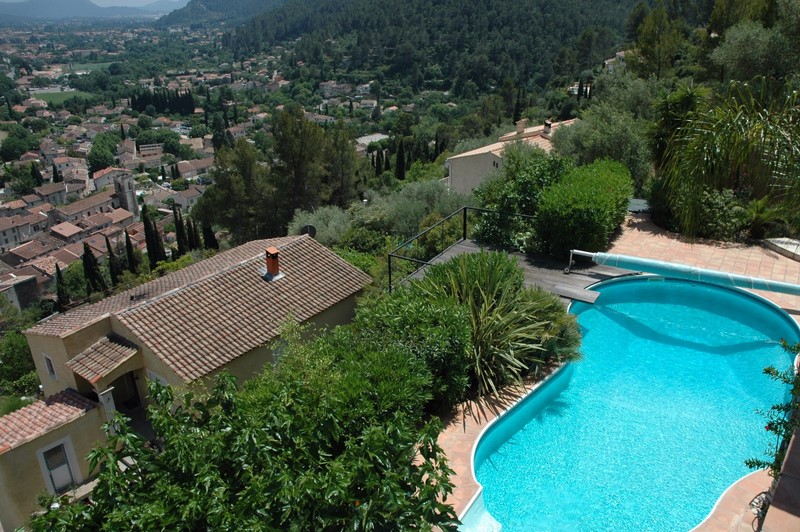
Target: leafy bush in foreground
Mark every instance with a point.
(332, 438)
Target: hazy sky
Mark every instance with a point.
(105, 3)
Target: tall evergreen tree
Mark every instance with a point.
(91, 269)
(133, 260)
(62, 295)
(209, 238)
(400, 163)
(191, 235)
(122, 134)
(36, 174)
(180, 232)
(155, 247)
(113, 264)
(56, 175)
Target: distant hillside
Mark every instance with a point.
(202, 11)
(457, 41)
(61, 9)
(164, 6)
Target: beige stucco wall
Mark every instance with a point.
(467, 172)
(60, 350)
(21, 476)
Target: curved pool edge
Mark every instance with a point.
(732, 508)
(734, 503)
(477, 496)
(794, 323)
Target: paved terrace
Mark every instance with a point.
(640, 238)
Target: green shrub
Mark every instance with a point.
(363, 261)
(526, 173)
(506, 334)
(584, 209)
(434, 330)
(331, 223)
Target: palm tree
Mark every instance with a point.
(746, 141)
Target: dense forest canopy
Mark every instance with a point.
(445, 41)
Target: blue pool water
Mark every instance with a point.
(652, 425)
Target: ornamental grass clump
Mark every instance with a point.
(510, 325)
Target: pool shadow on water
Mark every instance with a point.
(642, 330)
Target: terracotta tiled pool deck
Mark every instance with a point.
(641, 238)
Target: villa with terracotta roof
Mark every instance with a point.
(218, 314)
(469, 169)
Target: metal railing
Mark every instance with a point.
(419, 251)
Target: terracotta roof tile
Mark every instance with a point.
(206, 315)
(40, 417)
(102, 357)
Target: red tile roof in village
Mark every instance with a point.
(30, 422)
(206, 315)
(102, 357)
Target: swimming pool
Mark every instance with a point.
(649, 429)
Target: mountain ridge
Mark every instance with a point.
(229, 11)
(69, 9)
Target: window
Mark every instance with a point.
(58, 466)
(51, 370)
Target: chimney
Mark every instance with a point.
(547, 126)
(273, 268)
(521, 125)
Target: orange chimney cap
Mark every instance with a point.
(272, 250)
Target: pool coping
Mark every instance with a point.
(518, 401)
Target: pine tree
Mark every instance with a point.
(113, 264)
(209, 238)
(400, 163)
(62, 296)
(133, 261)
(91, 269)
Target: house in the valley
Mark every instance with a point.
(218, 314)
(469, 169)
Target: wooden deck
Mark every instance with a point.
(547, 272)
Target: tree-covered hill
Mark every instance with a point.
(205, 11)
(449, 40)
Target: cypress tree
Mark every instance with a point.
(113, 264)
(91, 269)
(62, 296)
(191, 234)
(209, 238)
(152, 252)
(56, 176)
(400, 163)
(122, 132)
(36, 174)
(133, 262)
(180, 232)
(163, 173)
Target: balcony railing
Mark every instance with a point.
(420, 250)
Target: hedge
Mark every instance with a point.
(584, 209)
